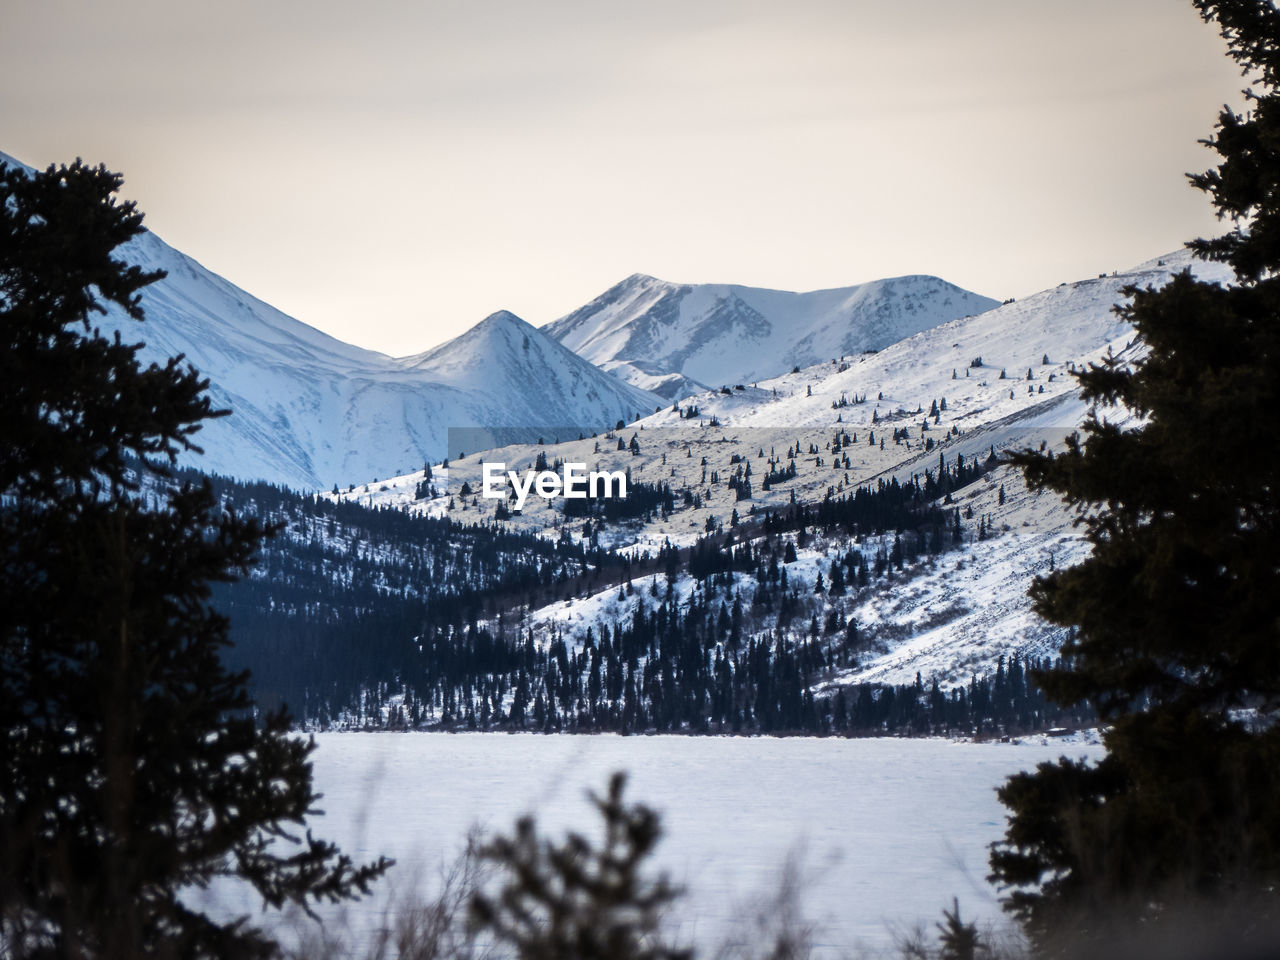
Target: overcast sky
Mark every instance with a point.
(392, 172)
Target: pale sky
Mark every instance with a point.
(392, 172)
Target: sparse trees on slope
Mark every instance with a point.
(131, 766)
(1176, 614)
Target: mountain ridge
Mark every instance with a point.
(966, 390)
(668, 336)
(313, 412)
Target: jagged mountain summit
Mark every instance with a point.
(676, 339)
(310, 411)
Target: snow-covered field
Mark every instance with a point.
(885, 831)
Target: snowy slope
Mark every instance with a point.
(311, 411)
(952, 617)
(723, 333)
(1069, 326)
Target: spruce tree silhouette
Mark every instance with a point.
(131, 763)
(1176, 613)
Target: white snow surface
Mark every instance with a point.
(727, 333)
(884, 832)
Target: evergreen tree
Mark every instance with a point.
(577, 901)
(1176, 614)
(957, 940)
(131, 765)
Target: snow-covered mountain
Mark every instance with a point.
(674, 339)
(310, 411)
(553, 382)
(1001, 381)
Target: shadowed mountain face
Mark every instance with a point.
(664, 336)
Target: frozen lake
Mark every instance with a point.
(885, 831)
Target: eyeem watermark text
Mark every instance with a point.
(573, 482)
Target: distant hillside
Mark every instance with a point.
(941, 399)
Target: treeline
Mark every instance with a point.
(920, 504)
(689, 665)
(373, 617)
(342, 595)
(673, 671)
(642, 502)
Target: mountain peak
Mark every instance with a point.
(503, 317)
(726, 333)
(637, 284)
